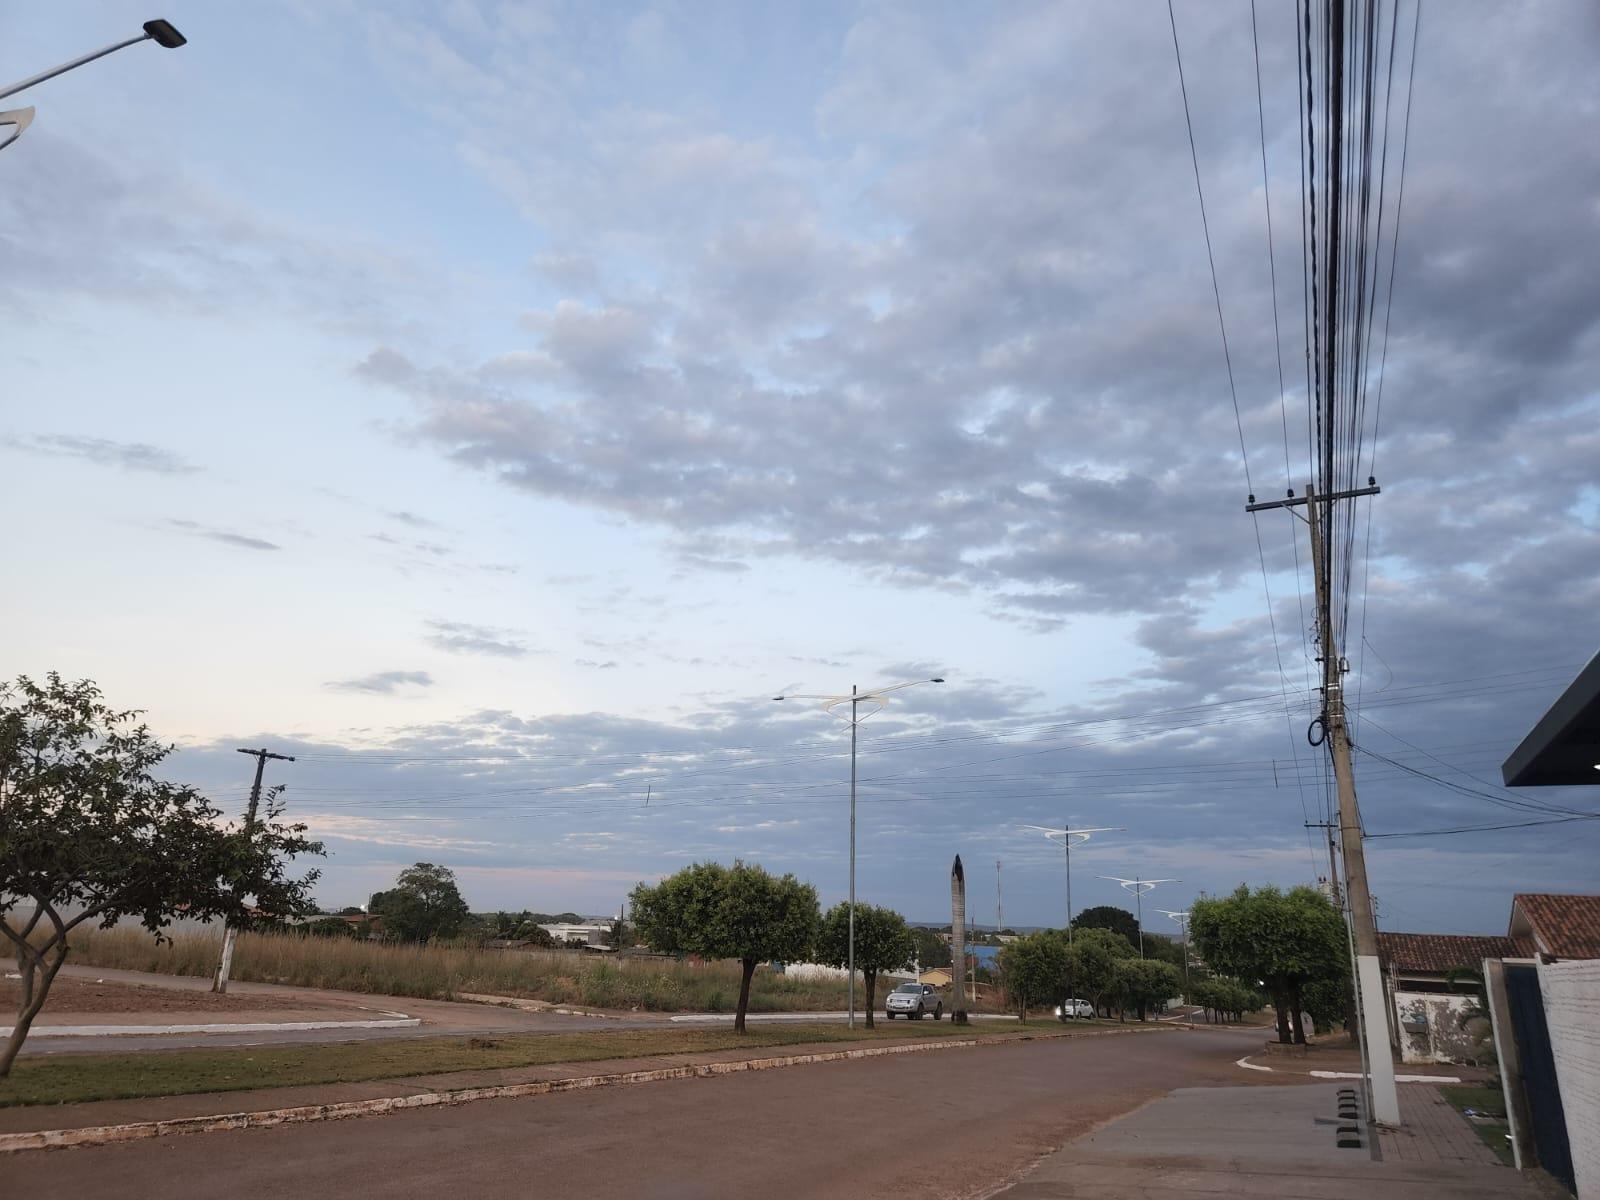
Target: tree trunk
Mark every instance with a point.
(744, 994)
(1285, 1034)
(870, 980)
(37, 976)
(1295, 1013)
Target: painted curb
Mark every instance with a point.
(1250, 1066)
(101, 1135)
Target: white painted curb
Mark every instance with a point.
(43, 1031)
(1250, 1066)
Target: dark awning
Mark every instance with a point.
(1564, 747)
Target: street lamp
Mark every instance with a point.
(162, 33)
(1182, 918)
(1072, 837)
(1139, 887)
(830, 704)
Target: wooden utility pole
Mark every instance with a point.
(225, 965)
(1374, 1006)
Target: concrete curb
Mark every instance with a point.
(100, 1135)
(398, 1021)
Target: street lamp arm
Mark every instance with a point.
(160, 32)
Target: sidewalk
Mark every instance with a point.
(1279, 1142)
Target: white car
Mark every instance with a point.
(911, 1001)
(1074, 1008)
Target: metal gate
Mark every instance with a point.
(1539, 1072)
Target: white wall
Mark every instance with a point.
(1447, 1039)
(1572, 1009)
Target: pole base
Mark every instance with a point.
(958, 1018)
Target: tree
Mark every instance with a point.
(1144, 983)
(1092, 964)
(737, 912)
(1284, 939)
(1224, 998)
(1109, 916)
(87, 833)
(1035, 969)
(883, 943)
(329, 927)
(424, 904)
(931, 949)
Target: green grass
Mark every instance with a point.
(81, 1077)
(1485, 1100)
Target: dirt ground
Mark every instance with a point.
(71, 995)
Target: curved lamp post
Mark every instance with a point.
(1182, 918)
(833, 706)
(162, 33)
(1071, 837)
(1139, 887)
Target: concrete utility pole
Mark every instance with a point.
(1372, 1005)
(225, 966)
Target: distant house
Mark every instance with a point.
(937, 977)
(1431, 1015)
(589, 935)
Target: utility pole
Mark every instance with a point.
(225, 966)
(1373, 1006)
(1068, 834)
(1139, 887)
(999, 902)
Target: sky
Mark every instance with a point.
(494, 405)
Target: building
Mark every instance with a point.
(1555, 928)
(1436, 1012)
(590, 935)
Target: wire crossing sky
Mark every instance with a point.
(494, 404)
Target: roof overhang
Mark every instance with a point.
(1563, 749)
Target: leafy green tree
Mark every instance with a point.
(1224, 998)
(1284, 939)
(737, 912)
(883, 943)
(1092, 960)
(424, 904)
(329, 927)
(1164, 948)
(1109, 916)
(1144, 984)
(1035, 969)
(931, 949)
(88, 833)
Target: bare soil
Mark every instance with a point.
(70, 995)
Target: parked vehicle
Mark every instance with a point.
(913, 1001)
(1069, 1009)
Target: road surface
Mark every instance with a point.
(953, 1123)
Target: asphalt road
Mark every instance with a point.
(950, 1124)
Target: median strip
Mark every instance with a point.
(398, 1021)
(95, 1135)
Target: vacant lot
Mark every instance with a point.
(69, 995)
(445, 972)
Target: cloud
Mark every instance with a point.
(130, 456)
(458, 637)
(241, 540)
(382, 683)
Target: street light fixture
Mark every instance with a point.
(855, 699)
(162, 33)
(1182, 918)
(1139, 887)
(1072, 837)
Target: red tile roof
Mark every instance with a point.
(1563, 926)
(1436, 953)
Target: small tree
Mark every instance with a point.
(931, 949)
(1143, 983)
(87, 833)
(1284, 939)
(424, 903)
(883, 943)
(1035, 969)
(729, 912)
(1092, 964)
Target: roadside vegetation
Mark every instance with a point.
(444, 972)
(1485, 1110)
(76, 1078)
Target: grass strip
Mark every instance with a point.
(71, 1079)
(1489, 1100)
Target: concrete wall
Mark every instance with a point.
(1572, 1010)
(1446, 1039)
